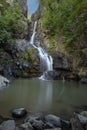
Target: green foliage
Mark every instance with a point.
(9, 21)
(66, 18)
(4, 36)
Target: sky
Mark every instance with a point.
(32, 6)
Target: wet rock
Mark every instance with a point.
(37, 124)
(1, 119)
(36, 121)
(17, 128)
(49, 125)
(26, 126)
(81, 118)
(5, 63)
(66, 125)
(7, 71)
(52, 121)
(84, 80)
(8, 125)
(61, 61)
(84, 113)
(72, 76)
(33, 116)
(49, 75)
(3, 81)
(19, 113)
(54, 129)
(79, 122)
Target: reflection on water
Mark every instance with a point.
(57, 97)
(61, 92)
(45, 95)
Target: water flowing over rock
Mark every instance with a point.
(46, 60)
(50, 75)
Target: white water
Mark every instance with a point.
(46, 60)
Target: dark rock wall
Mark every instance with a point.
(19, 60)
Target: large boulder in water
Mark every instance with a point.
(49, 75)
(19, 113)
(3, 81)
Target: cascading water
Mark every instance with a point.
(45, 59)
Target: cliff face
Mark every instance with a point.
(70, 57)
(24, 23)
(23, 4)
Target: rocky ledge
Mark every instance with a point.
(39, 121)
(3, 81)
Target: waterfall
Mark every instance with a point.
(46, 60)
(33, 35)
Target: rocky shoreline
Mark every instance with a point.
(40, 121)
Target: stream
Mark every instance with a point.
(56, 97)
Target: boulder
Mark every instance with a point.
(82, 119)
(84, 113)
(84, 80)
(19, 113)
(66, 125)
(50, 75)
(1, 119)
(52, 121)
(27, 126)
(17, 128)
(8, 125)
(35, 120)
(54, 129)
(79, 122)
(3, 81)
(37, 124)
(33, 116)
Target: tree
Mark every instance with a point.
(9, 21)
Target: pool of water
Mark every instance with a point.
(56, 97)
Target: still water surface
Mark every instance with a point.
(57, 97)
